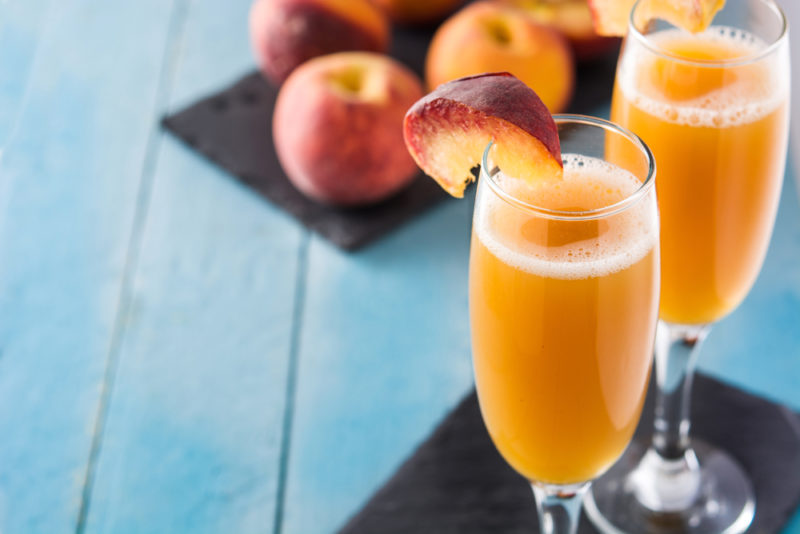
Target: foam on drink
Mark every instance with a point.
(610, 244)
(746, 94)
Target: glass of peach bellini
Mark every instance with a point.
(563, 281)
(713, 107)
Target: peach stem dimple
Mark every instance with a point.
(499, 31)
(350, 80)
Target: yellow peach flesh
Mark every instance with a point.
(611, 16)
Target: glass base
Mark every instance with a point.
(719, 500)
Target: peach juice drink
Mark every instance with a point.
(563, 313)
(718, 133)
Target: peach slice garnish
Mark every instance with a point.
(611, 16)
(447, 131)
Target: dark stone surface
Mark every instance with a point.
(233, 129)
(456, 482)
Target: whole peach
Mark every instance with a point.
(491, 37)
(286, 33)
(417, 11)
(338, 127)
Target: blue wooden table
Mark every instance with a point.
(178, 355)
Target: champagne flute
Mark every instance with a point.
(563, 291)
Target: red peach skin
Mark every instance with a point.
(447, 131)
(287, 33)
(337, 127)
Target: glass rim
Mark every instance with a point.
(710, 63)
(597, 213)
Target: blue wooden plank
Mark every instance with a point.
(69, 187)
(793, 527)
(21, 28)
(384, 354)
(192, 442)
(193, 436)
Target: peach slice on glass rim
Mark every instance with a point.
(611, 16)
(447, 131)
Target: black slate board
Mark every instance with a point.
(233, 129)
(456, 482)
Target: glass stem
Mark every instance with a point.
(677, 347)
(668, 477)
(559, 507)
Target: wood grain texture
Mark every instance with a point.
(22, 25)
(69, 185)
(194, 429)
(194, 433)
(384, 354)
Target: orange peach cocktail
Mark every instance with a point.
(564, 276)
(718, 134)
(563, 316)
